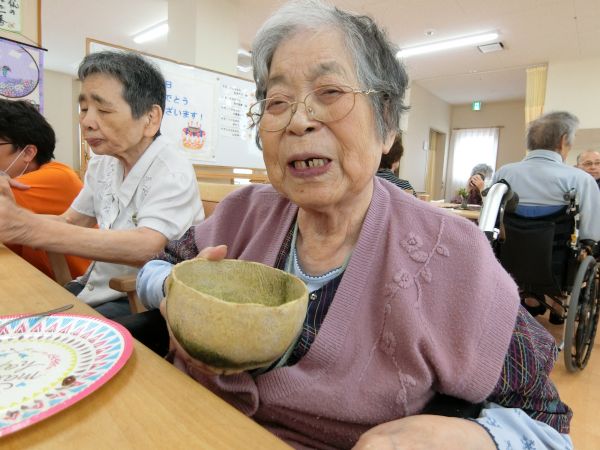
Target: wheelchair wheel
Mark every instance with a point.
(582, 316)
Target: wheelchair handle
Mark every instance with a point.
(492, 208)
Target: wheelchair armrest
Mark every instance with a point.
(126, 284)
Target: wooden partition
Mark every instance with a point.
(213, 193)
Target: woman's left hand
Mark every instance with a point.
(426, 432)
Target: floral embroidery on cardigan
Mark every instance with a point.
(426, 274)
(412, 243)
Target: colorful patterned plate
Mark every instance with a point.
(49, 363)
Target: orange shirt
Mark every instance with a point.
(54, 186)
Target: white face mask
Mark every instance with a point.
(5, 171)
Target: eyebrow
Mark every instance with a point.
(326, 68)
(96, 98)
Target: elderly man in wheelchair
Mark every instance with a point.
(542, 250)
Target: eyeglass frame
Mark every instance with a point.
(590, 164)
(294, 105)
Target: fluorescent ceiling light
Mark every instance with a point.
(445, 45)
(155, 31)
(244, 60)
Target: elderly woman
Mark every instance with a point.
(481, 174)
(401, 308)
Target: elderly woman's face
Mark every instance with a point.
(320, 165)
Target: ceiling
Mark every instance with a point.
(532, 31)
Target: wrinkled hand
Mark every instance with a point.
(6, 183)
(182, 360)
(13, 221)
(476, 182)
(426, 432)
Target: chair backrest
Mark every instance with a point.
(536, 251)
(213, 193)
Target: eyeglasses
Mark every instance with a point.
(326, 104)
(591, 164)
(6, 143)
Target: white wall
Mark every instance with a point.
(426, 112)
(574, 86)
(60, 109)
(204, 33)
(508, 115)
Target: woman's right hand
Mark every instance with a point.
(476, 182)
(181, 359)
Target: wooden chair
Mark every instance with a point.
(211, 194)
(126, 284)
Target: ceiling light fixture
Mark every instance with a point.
(155, 31)
(244, 61)
(446, 45)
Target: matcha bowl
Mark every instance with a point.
(235, 315)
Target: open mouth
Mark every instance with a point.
(307, 163)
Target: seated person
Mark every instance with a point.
(589, 161)
(476, 184)
(388, 327)
(26, 152)
(138, 189)
(544, 182)
(389, 164)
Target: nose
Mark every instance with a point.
(302, 120)
(87, 119)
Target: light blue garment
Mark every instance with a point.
(543, 179)
(150, 281)
(512, 429)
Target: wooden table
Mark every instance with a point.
(455, 208)
(148, 404)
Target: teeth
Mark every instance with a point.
(300, 164)
(313, 162)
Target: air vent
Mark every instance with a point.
(489, 48)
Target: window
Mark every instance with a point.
(470, 147)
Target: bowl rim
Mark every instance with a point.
(295, 279)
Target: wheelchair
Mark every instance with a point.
(549, 264)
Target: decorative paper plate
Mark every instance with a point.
(49, 363)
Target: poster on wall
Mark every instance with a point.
(188, 116)
(21, 72)
(10, 15)
(205, 113)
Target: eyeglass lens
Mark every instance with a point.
(326, 104)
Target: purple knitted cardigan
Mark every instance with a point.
(423, 306)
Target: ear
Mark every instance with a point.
(154, 118)
(29, 153)
(387, 143)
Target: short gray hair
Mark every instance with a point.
(143, 83)
(547, 131)
(484, 170)
(373, 55)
